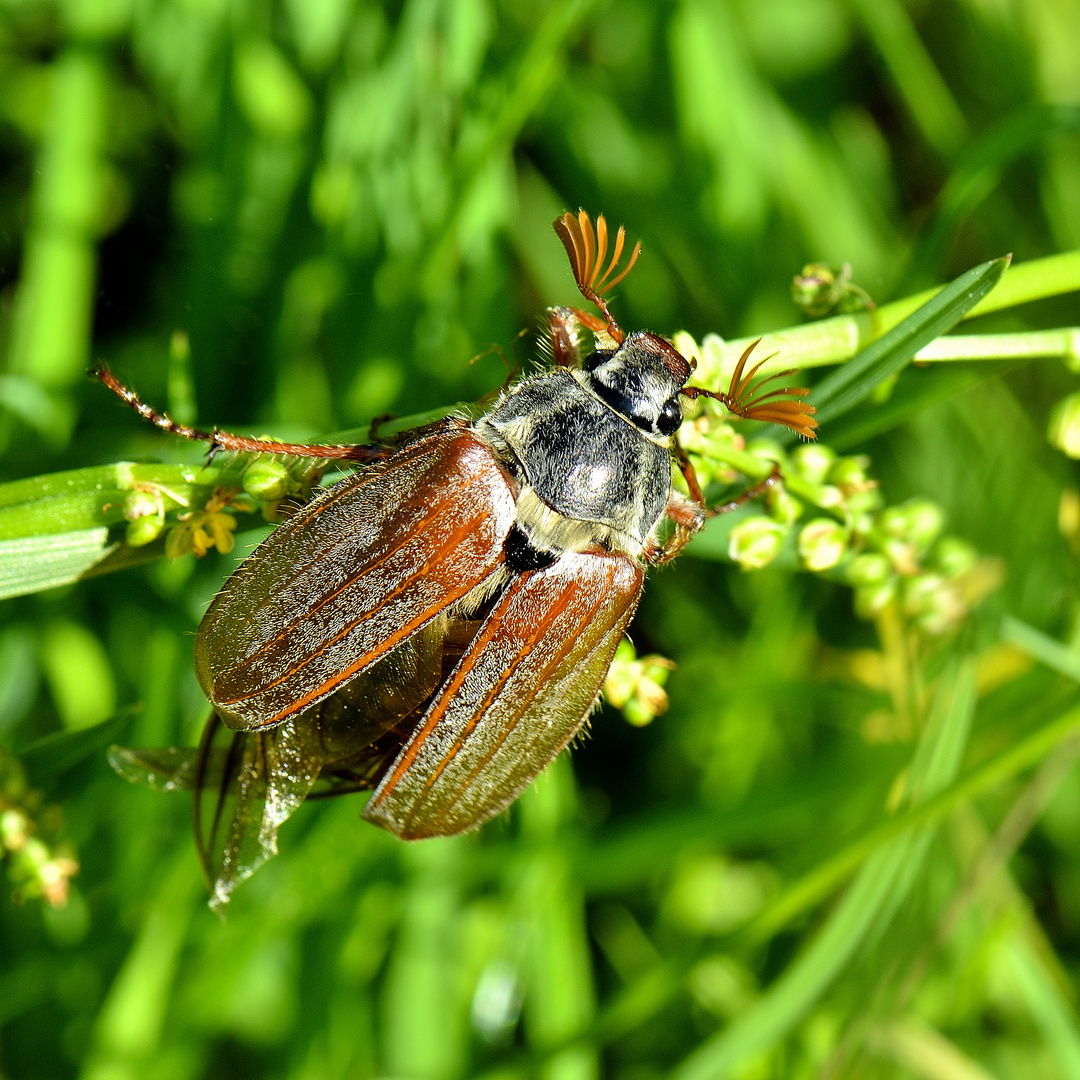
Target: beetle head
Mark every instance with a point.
(644, 375)
(641, 380)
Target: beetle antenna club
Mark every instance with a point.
(587, 250)
(743, 397)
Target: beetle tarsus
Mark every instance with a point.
(756, 491)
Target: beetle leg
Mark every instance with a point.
(690, 515)
(563, 338)
(750, 493)
(687, 514)
(224, 440)
(686, 467)
(688, 518)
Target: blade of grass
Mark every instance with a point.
(36, 563)
(1041, 647)
(820, 882)
(130, 1023)
(917, 78)
(915, 391)
(878, 889)
(851, 383)
(56, 754)
(834, 340)
(1051, 1013)
(559, 996)
(979, 173)
(422, 1032)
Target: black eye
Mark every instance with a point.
(667, 423)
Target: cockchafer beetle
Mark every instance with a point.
(437, 626)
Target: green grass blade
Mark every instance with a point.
(880, 886)
(850, 384)
(1041, 647)
(36, 563)
(914, 392)
(1052, 1014)
(56, 754)
(813, 887)
(130, 1024)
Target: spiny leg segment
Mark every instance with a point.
(226, 441)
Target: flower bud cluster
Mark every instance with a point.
(265, 483)
(636, 685)
(34, 868)
(211, 527)
(829, 512)
(827, 290)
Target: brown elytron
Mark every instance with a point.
(518, 696)
(351, 576)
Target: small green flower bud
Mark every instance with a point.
(869, 569)
(850, 472)
(636, 686)
(755, 542)
(901, 554)
(143, 531)
(864, 502)
(955, 556)
(638, 713)
(782, 507)
(924, 521)
(916, 522)
(141, 504)
(822, 543)
(822, 289)
(871, 600)
(893, 523)
(815, 290)
(1064, 429)
(266, 480)
(813, 462)
(935, 605)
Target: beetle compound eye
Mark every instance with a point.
(670, 417)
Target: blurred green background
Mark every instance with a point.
(295, 216)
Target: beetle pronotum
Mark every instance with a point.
(437, 626)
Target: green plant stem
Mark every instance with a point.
(832, 341)
(1063, 344)
(757, 468)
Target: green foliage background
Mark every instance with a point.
(341, 203)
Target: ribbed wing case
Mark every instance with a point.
(516, 698)
(351, 576)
